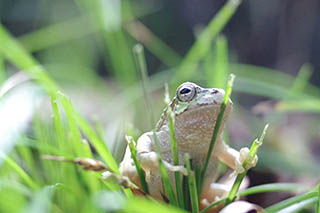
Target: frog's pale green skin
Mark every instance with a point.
(196, 110)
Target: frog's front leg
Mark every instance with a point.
(149, 158)
(233, 158)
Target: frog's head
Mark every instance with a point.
(196, 111)
(191, 97)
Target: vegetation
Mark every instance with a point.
(38, 118)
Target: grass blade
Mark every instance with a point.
(132, 146)
(253, 151)
(16, 54)
(167, 184)
(153, 43)
(274, 187)
(217, 127)
(213, 205)
(318, 203)
(41, 201)
(98, 144)
(216, 67)
(292, 201)
(174, 148)
(24, 176)
(302, 79)
(192, 185)
(202, 46)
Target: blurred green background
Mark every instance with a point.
(272, 47)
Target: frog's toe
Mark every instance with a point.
(245, 155)
(238, 166)
(174, 168)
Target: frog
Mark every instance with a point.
(196, 110)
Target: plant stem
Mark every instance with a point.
(291, 201)
(217, 126)
(192, 185)
(174, 148)
(132, 147)
(253, 151)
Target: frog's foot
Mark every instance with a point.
(245, 155)
(213, 193)
(174, 168)
(148, 160)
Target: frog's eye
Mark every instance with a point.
(186, 92)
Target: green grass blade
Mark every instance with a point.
(302, 79)
(192, 185)
(57, 33)
(217, 127)
(318, 203)
(24, 176)
(153, 43)
(58, 125)
(143, 78)
(98, 144)
(202, 46)
(132, 146)
(146, 205)
(186, 193)
(2, 70)
(74, 132)
(213, 205)
(274, 187)
(253, 152)
(174, 148)
(217, 66)
(11, 49)
(167, 184)
(41, 201)
(292, 201)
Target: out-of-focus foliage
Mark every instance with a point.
(84, 49)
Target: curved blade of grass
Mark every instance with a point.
(292, 201)
(274, 187)
(15, 53)
(202, 46)
(253, 152)
(217, 127)
(98, 144)
(57, 33)
(154, 44)
(24, 176)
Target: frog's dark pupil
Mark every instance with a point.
(185, 90)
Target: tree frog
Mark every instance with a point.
(196, 110)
